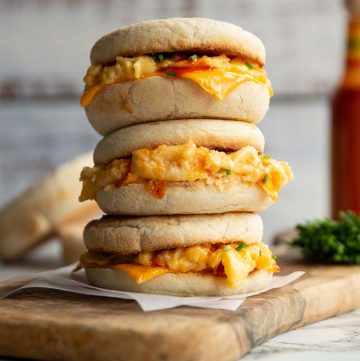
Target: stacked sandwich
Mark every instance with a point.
(180, 170)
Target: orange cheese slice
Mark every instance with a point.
(217, 82)
(89, 94)
(140, 274)
(221, 82)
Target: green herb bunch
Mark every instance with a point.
(330, 241)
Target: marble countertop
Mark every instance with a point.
(334, 339)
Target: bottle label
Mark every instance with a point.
(352, 74)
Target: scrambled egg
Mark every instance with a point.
(186, 163)
(218, 75)
(234, 261)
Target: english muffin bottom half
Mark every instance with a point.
(189, 255)
(189, 67)
(183, 167)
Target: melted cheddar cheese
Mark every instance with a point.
(187, 163)
(140, 274)
(233, 261)
(218, 75)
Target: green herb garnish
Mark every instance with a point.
(240, 247)
(274, 257)
(250, 66)
(266, 178)
(227, 248)
(171, 73)
(260, 253)
(266, 156)
(193, 57)
(226, 170)
(330, 241)
(158, 57)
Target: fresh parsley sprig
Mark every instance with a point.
(330, 241)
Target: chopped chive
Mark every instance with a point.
(266, 156)
(266, 178)
(226, 170)
(240, 247)
(260, 253)
(193, 57)
(249, 65)
(227, 248)
(171, 73)
(274, 257)
(159, 57)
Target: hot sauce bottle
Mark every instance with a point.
(345, 127)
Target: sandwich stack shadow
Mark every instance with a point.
(181, 169)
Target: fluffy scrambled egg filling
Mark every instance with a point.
(218, 75)
(235, 261)
(186, 163)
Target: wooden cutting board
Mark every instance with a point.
(52, 325)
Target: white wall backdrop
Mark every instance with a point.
(44, 52)
(45, 43)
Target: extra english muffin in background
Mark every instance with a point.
(175, 69)
(70, 233)
(184, 167)
(34, 215)
(201, 255)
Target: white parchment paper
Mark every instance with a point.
(62, 279)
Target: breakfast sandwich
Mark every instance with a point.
(189, 255)
(183, 167)
(176, 68)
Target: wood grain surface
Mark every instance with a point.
(52, 325)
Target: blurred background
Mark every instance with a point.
(45, 52)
